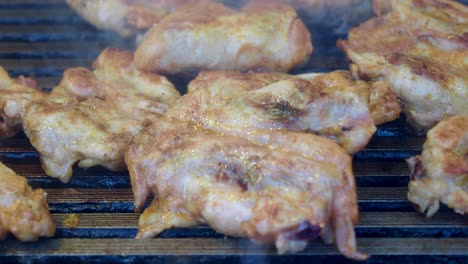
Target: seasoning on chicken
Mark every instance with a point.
(440, 174)
(90, 118)
(126, 17)
(331, 105)
(420, 49)
(15, 94)
(23, 212)
(262, 36)
(278, 187)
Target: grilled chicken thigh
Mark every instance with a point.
(277, 187)
(90, 118)
(130, 17)
(441, 172)
(420, 49)
(262, 36)
(23, 212)
(126, 17)
(15, 94)
(331, 105)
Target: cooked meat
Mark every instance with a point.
(126, 17)
(382, 102)
(331, 105)
(420, 48)
(277, 187)
(23, 212)
(90, 118)
(130, 17)
(14, 96)
(262, 36)
(441, 172)
(381, 7)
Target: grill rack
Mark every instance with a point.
(43, 38)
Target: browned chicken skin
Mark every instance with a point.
(262, 36)
(129, 17)
(419, 48)
(331, 105)
(276, 187)
(90, 118)
(441, 172)
(14, 96)
(126, 17)
(23, 212)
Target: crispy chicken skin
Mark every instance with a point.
(90, 118)
(279, 187)
(126, 17)
(441, 172)
(15, 94)
(23, 212)
(130, 17)
(420, 48)
(331, 105)
(262, 36)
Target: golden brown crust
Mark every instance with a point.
(23, 212)
(126, 17)
(419, 48)
(236, 184)
(299, 38)
(92, 116)
(441, 172)
(383, 103)
(113, 57)
(410, 23)
(451, 135)
(209, 35)
(141, 17)
(331, 105)
(80, 83)
(15, 94)
(421, 67)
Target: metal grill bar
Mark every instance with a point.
(226, 247)
(371, 224)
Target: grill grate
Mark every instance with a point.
(43, 38)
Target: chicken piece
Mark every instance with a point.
(130, 17)
(90, 118)
(382, 102)
(382, 7)
(126, 17)
(277, 187)
(420, 50)
(331, 105)
(23, 212)
(14, 96)
(262, 36)
(441, 172)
